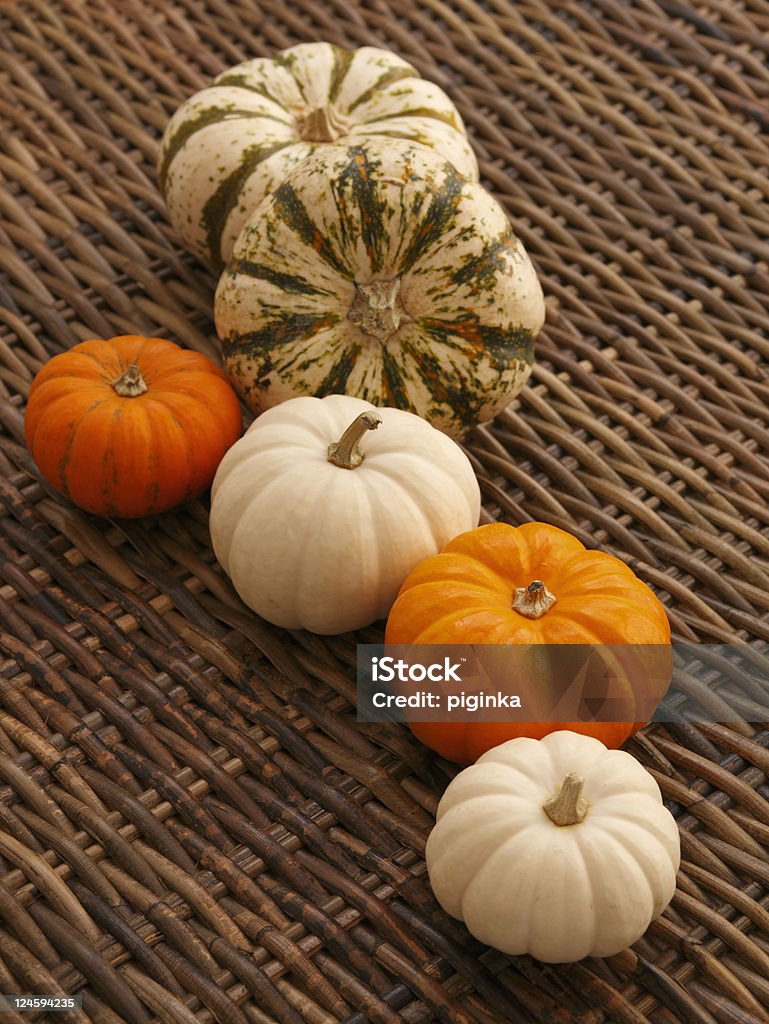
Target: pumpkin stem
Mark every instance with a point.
(323, 124)
(345, 452)
(568, 806)
(377, 308)
(533, 601)
(130, 383)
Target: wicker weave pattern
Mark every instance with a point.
(193, 828)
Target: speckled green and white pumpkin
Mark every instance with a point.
(231, 143)
(380, 272)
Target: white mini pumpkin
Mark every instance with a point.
(230, 144)
(318, 532)
(558, 848)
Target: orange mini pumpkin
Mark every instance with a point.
(130, 426)
(534, 585)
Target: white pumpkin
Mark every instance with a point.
(230, 144)
(558, 848)
(318, 525)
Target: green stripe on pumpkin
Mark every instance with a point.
(445, 116)
(241, 81)
(481, 272)
(335, 381)
(288, 206)
(294, 283)
(448, 389)
(283, 329)
(394, 384)
(223, 201)
(342, 61)
(289, 61)
(213, 115)
(437, 221)
(364, 216)
(385, 79)
(498, 345)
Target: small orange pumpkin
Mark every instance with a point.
(130, 426)
(534, 585)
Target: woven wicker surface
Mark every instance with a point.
(192, 825)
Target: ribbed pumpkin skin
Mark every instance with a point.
(130, 456)
(559, 893)
(230, 144)
(464, 595)
(312, 545)
(380, 273)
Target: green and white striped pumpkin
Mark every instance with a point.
(382, 273)
(230, 144)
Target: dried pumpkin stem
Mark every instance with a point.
(346, 452)
(130, 383)
(377, 308)
(322, 125)
(533, 601)
(568, 806)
